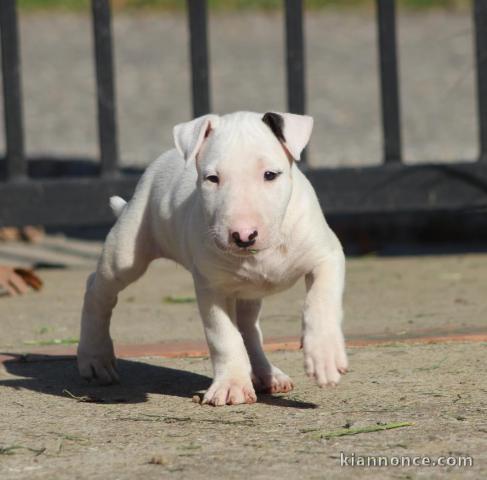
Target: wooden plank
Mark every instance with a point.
(388, 189)
(66, 201)
(395, 187)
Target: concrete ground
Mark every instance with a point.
(386, 298)
(247, 73)
(149, 427)
(417, 339)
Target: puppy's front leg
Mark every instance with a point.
(323, 344)
(266, 377)
(232, 383)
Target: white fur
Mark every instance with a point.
(177, 213)
(117, 204)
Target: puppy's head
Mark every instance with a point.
(244, 163)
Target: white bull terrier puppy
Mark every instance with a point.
(232, 207)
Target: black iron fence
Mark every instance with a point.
(390, 187)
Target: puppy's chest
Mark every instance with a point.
(256, 277)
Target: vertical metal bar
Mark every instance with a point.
(480, 22)
(105, 86)
(200, 77)
(295, 56)
(12, 96)
(295, 68)
(389, 81)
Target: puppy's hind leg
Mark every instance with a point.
(266, 377)
(128, 250)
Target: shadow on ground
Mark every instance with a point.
(58, 375)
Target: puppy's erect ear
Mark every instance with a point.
(293, 131)
(189, 136)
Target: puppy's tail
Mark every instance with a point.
(117, 204)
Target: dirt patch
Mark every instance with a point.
(149, 426)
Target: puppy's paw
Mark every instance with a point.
(325, 358)
(98, 364)
(229, 391)
(271, 381)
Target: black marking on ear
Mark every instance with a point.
(276, 123)
(208, 130)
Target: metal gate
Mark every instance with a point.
(390, 187)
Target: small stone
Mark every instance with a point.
(196, 399)
(158, 460)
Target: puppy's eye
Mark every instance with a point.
(213, 178)
(269, 176)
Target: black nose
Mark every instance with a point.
(244, 244)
